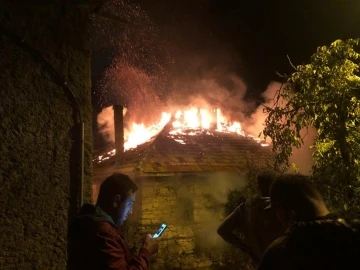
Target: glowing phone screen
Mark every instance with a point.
(160, 231)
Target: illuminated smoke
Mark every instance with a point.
(105, 121)
(302, 157)
(255, 123)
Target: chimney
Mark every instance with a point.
(218, 119)
(119, 131)
(213, 119)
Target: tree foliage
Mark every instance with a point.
(253, 167)
(325, 95)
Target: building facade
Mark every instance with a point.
(183, 182)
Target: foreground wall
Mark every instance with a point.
(43, 44)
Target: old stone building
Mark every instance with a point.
(183, 181)
(45, 93)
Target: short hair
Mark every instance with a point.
(264, 181)
(295, 192)
(116, 184)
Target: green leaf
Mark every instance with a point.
(324, 95)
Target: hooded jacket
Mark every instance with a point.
(96, 243)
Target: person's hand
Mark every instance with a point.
(151, 244)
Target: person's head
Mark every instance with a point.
(295, 198)
(264, 181)
(116, 196)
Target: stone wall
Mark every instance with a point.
(193, 207)
(190, 241)
(43, 44)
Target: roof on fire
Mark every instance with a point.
(168, 154)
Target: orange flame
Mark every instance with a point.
(140, 134)
(194, 118)
(186, 122)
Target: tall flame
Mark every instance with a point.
(195, 118)
(140, 134)
(192, 118)
(185, 122)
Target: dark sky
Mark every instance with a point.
(249, 38)
(255, 36)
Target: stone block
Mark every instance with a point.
(146, 222)
(146, 207)
(156, 204)
(173, 247)
(204, 263)
(185, 232)
(163, 191)
(187, 245)
(147, 215)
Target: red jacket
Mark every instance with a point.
(96, 243)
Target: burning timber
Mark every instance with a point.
(192, 122)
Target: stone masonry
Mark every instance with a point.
(43, 45)
(186, 205)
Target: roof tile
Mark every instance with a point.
(178, 153)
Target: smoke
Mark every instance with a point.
(210, 87)
(222, 182)
(105, 121)
(302, 157)
(255, 124)
(216, 195)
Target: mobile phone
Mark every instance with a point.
(160, 231)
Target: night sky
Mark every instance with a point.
(256, 34)
(251, 38)
(248, 38)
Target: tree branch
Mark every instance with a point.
(290, 62)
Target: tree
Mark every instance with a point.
(324, 95)
(253, 166)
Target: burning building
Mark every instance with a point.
(184, 167)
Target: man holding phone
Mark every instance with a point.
(95, 241)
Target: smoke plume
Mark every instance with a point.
(206, 79)
(255, 124)
(219, 183)
(105, 121)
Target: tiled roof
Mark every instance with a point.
(202, 152)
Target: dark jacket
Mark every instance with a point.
(329, 242)
(259, 225)
(96, 243)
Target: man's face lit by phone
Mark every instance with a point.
(125, 208)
